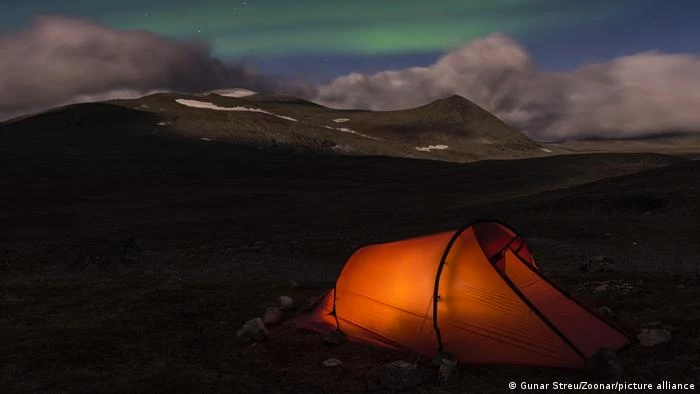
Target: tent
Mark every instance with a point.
(475, 293)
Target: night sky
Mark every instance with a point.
(323, 39)
(556, 69)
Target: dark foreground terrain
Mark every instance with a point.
(129, 269)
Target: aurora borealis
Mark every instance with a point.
(271, 27)
(362, 28)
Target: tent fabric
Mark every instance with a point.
(475, 293)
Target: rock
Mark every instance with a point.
(616, 287)
(397, 375)
(273, 315)
(599, 264)
(331, 363)
(334, 338)
(604, 311)
(12, 299)
(131, 251)
(173, 284)
(649, 337)
(445, 365)
(294, 284)
(604, 364)
(625, 288)
(257, 246)
(285, 303)
(254, 330)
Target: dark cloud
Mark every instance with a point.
(646, 93)
(60, 60)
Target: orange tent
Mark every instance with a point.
(474, 293)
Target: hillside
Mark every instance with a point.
(681, 144)
(452, 129)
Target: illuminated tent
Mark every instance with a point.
(475, 293)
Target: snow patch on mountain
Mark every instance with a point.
(207, 105)
(431, 147)
(347, 130)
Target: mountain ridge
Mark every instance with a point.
(450, 129)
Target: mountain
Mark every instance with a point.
(680, 144)
(664, 191)
(467, 131)
(451, 129)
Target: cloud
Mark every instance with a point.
(637, 95)
(59, 60)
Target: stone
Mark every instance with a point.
(285, 303)
(604, 364)
(257, 246)
(173, 284)
(604, 311)
(12, 299)
(294, 284)
(273, 315)
(649, 337)
(397, 375)
(131, 251)
(331, 363)
(599, 264)
(445, 365)
(616, 287)
(334, 338)
(253, 329)
(625, 288)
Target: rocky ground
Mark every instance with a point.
(128, 272)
